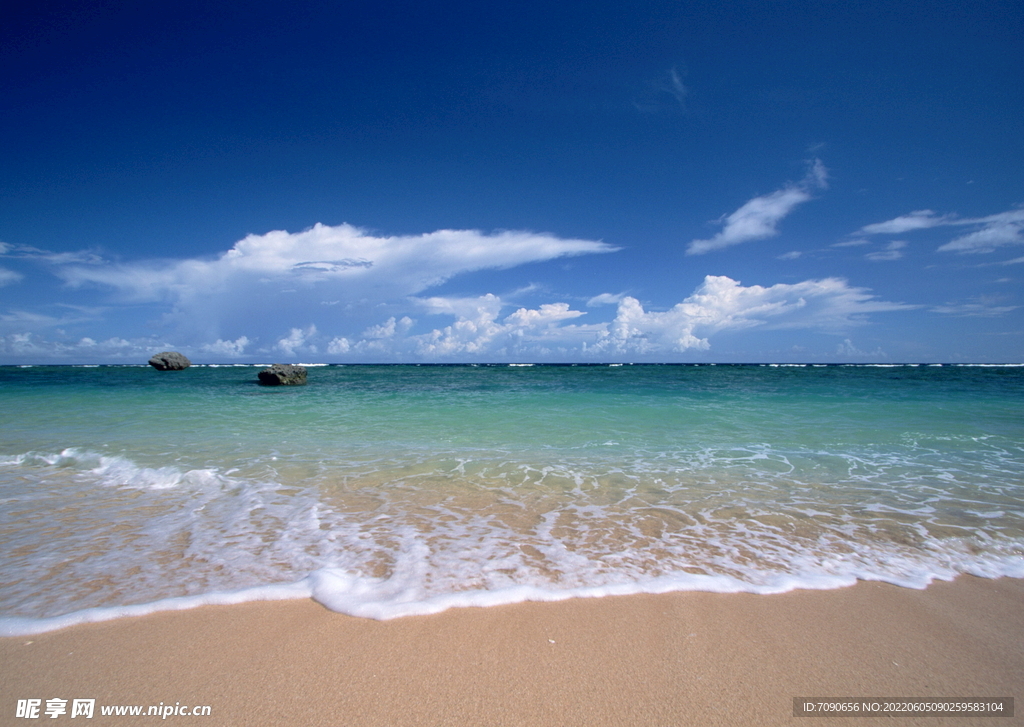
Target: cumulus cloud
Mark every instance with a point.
(297, 338)
(759, 218)
(721, 303)
(339, 346)
(474, 331)
(389, 328)
(639, 331)
(323, 275)
(487, 327)
(548, 314)
(480, 331)
(231, 349)
(989, 233)
(342, 294)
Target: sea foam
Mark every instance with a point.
(385, 493)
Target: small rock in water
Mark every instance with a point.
(283, 375)
(169, 361)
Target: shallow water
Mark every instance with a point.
(387, 490)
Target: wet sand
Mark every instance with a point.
(674, 659)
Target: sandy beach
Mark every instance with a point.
(675, 659)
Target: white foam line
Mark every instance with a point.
(383, 600)
(20, 626)
(326, 592)
(990, 366)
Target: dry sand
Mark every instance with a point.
(675, 659)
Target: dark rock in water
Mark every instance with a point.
(169, 361)
(283, 375)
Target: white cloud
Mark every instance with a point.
(477, 330)
(550, 331)
(850, 243)
(8, 277)
(892, 251)
(792, 255)
(817, 175)
(33, 348)
(636, 330)
(605, 299)
(981, 307)
(474, 329)
(231, 349)
(267, 284)
(846, 348)
(27, 252)
(998, 230)
(339, 345)
(718, 304)
(547, 315)
(389, 328)
(721, 303)
(344, 259)
(759, 218)
(327, 276)
(916, 220)
(297, 339)
(992, 232)
(483, 306)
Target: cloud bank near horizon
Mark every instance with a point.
(326, 272)
(317, 275)
(343, 294)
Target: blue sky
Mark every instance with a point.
(454, 181)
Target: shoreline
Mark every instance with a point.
(678, 658)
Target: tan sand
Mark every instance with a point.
(676, 659)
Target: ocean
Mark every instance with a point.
(384, 491)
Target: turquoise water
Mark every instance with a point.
(388, 490)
